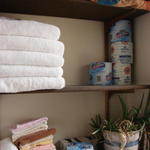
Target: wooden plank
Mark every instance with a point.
(86, 88)
(107, 26)
(107, 104)
(133, 66)
(79, 9)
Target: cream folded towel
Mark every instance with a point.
(30, 58)
(39, 124)
(28, 28)
(7, 71)
(21, 43)
(20, 84)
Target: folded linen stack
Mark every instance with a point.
(34, 135)
(31, 56)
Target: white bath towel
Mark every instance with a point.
(7, 71)
(28, 28)
(6, 144)
(30, 58)
(20, 84)
(21, 43)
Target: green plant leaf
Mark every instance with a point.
(140, 106)
(124, 108)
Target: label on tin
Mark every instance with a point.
(124, 59)
(122, 81)
(121, 74)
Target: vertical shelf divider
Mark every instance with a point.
(107, 25)
(106, 58)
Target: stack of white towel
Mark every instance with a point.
(31, 56)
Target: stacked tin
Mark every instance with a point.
(121, 48)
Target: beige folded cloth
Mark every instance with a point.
(43, 141)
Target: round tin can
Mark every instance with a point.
(121, 74)
(100, 73)
(122, 52)
(124, 59)
(123, 46)
(121, 31)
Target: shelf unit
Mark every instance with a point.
(78, 9)
(89, 88)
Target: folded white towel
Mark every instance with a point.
(30, 58)
(21, 43)
(6, 144)
(28, 28)
(29, 71)
(20, 84)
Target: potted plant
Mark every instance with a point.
(121, 134)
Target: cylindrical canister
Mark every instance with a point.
(121, 74)
(121, 31)
(100, 73)
(121, 52)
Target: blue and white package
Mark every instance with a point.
(121, 31)
(100, 73)
(76, 143)
(80, 146)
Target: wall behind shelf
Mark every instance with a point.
(142, 39)
(68, 112)
(142, 66)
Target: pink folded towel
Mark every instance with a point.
(28, 124)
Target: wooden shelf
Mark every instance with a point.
(90, 88)
(79, 9)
